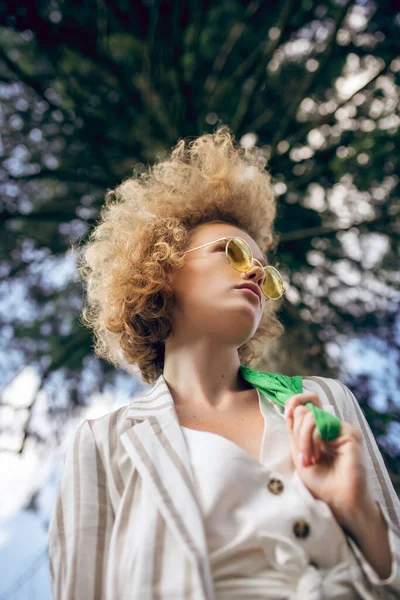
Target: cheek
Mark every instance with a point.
(195, 292)
(191, 280)
(201, 289)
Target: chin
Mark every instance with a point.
(245, 329)
(249, 315)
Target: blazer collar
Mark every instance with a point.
(155, 402)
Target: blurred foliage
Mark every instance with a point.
(93, 91)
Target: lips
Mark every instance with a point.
(252, 287)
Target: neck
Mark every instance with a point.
(204, 376)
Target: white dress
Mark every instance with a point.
(267, 536)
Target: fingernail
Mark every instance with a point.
(301, 459)
(285, 414)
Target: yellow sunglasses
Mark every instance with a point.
(240, 256)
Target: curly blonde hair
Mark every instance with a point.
(143, 230)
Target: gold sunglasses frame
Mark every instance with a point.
(254, 260)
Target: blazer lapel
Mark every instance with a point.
(158, 450)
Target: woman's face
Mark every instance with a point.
(207, 299)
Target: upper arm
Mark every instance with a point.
(81, 522)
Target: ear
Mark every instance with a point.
(167, 289)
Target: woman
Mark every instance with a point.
(203, 488)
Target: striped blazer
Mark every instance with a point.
(127, 524)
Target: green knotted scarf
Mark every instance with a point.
(280, 388)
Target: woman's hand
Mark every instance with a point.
(338, 475)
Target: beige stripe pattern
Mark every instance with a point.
(159, 548)
(328, 392)
(110, 540)
(101, 526)
(58, 522)
(165, 494)
(122, 525)
(79, 529)
(187, 590)
(115, 470)
(76, 507)
(172, 454)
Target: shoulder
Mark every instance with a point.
(332, 392)
(100, 434)
(113, 421)
(324, 385)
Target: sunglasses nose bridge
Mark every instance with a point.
(256, 263)
(259, 270)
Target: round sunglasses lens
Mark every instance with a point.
(273, 284)
(239, 254)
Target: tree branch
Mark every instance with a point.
(308, 81)
(327, 119)
(235, 34)
(32, 82)
(59, 174)
(250, 84)
(325, 231)
(46, 215)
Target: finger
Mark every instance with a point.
(316, 445)
(303, 428)
(298, 400)
(299, 413)
(295, 416)
(319, 447)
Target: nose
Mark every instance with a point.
(256, 274)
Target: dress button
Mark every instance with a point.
(275, 485)
(301, 528)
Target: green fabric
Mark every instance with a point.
(280, 388)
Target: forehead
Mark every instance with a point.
(207, 232)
